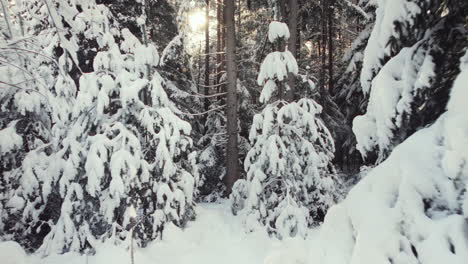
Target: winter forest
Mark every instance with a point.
(234, 131)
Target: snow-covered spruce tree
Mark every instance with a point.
(409, 63)
(36, 101)
(290, 179)
(211, 161)
(125, 148)
(158, 22)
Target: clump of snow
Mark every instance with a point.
(388, 14)
(391, 97)
(277, 30)
(277, 65)
(10, 140)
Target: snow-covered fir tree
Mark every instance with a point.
(290, 179)
(123, 146)
(409, 63)
(38, 66)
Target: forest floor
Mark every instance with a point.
(216, 236)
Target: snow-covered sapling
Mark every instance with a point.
(290, 180)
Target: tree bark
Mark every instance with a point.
(292, 45)
(330, 45)
(324, 90)
(148, 66)
(239, 10)
(219, 44)
(207, 56)
(222, 47)
(218, 41)
(232, 155)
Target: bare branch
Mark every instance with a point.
(207, 96)
(212, 86)
(202, 113)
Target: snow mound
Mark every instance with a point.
(216, 237)
(413, 207)
(12, 253)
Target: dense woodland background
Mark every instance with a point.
(119, 110)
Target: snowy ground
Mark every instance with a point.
(215, 237)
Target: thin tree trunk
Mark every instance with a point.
(298, 44)
(324, 91)
(330, 10)
(232, 155)
(219, 37)
(319, 50)
(239, 9)
(222, 65)
(207, 56)
(148, 66)
(218, 41)
(132, 250)
(292, 45)
(199, 69)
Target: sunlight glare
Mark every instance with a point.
(197, 20)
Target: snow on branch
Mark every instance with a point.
(277, 30)
(357, 8)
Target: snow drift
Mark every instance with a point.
(412, 208)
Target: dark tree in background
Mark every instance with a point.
(232, 151)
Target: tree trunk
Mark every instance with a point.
(149, 74)
(207, 56)
(292, 45)
(324, 91)
(298, 44)
(239, 10)
(232, 154)
(218, 41)
(222, 62)
(330, 45)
